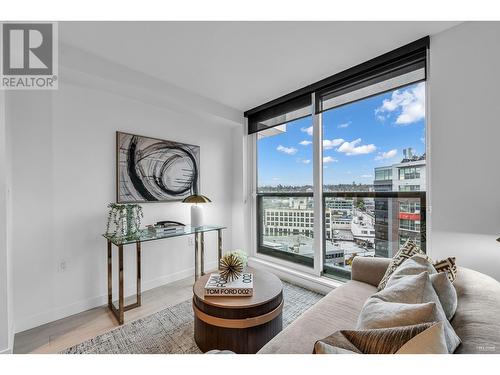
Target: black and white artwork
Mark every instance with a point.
(154, 170)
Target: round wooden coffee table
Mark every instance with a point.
(240, 324)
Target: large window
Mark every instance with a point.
(341, 165)
(284, 184)
(366, 144)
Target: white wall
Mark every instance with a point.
(239, 239)
(6, 285)
(4, 315)
(464, 135)
(64, 176)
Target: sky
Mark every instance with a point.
(357, 137)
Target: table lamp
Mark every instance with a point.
(196, 209)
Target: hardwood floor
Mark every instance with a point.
(61, 334)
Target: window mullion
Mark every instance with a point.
(318, 242)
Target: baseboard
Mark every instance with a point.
(90, 303)
(319, 284)
(10, 348)
(12, 334)
(6, 351)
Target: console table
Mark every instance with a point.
(145, 236)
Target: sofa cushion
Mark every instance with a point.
(369, 270)
(409, 300)
(338, 310)
(413, 266)
(430, 341)
(476, 320)
(323, 348)
(446, 293)
(370, 341)
(408, 250)
(440, 281)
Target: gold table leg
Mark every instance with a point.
(196, 255)
(202, 255)
(138, 281)
(110, 275)
(219, 246)
(121, 297)
(119, 312)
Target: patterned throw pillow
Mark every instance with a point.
(447, 266)
(409, 249)
(372, 341)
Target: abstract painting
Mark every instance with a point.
(155, 170)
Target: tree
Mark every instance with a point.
(360, 204)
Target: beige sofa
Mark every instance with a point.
(476, 321)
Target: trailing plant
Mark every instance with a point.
(124, 220)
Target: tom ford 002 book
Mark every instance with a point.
(217, 286)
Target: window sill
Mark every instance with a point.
(316, 283)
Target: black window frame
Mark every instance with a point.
(405, 59)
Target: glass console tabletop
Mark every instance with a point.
(145, 235)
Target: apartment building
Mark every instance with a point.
(398, 219)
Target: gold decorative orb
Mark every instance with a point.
(230, 267)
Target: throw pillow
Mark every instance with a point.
(413, 266)
(446, 292)
(408, 250)
(371, 341)
(410, 300)
(377, 313)
(409, 289)
(442, 286)
(324, 348)
(447, 266)
(430, 341)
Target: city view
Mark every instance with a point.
(392, 160)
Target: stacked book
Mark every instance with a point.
(217, 286)
(161, 229)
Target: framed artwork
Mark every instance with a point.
(155, 170)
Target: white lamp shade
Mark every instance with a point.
(196, 215)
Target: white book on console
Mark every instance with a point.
(217, 286)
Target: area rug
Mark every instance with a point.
(170, 331)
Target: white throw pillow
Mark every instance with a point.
(431, 341)
(413, 266)
(409, 300)
(440, 281)
(446, 292)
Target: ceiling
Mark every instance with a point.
(242, 64)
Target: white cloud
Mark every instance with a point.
(305, 143)
(329, 159)
(329, 144)
(344, 125)
(410, 103)
(354, 148)
(287, 150)
(366, 176)
(305, 161)
(386, 155)
(308, 130)
(275, 178)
